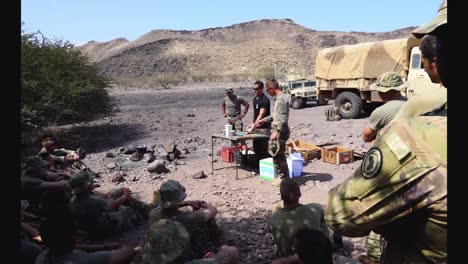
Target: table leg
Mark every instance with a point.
(212, 143)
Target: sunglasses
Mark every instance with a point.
(256, 89)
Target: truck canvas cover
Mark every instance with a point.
(364, 60)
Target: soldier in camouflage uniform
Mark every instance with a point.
(400, 189)
(389, 86)
(103, 215)
(200, 222)
(280, 130)
(169, 242)
(61, 158)
(231, 108)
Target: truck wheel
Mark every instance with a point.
(349, 105)
(297, 103)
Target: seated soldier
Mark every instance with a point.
(293, 217)
(37, 179)
(100, 216)
(312, 246)
(58, 233)
(200, 222)
(169, 242)
(61, 158)
(29, 250)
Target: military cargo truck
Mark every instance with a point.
(344, 73)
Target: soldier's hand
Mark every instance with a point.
(259, 123)
(126, 191)
(195, 204)
(274, 135)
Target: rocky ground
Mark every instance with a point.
(188, 115)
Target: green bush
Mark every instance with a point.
(266, 73)
(58, 83)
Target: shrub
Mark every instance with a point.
(58, 83)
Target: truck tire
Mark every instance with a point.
(349, 105)
(297, 103)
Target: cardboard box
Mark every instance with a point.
(308, 151)
(295, 167)
(337, 155)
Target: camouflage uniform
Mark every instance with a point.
(169, 242)
(92, 213)
(400, 192)
(57, 159)
(419, 105)
(203, 235)
(286, 222)
(233, 109)
(75, 256)
(279, 122)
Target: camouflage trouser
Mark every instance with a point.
(141, 209)
(374, 243)
(236, 123)
(260, 145)
(206, 238)
(122, 219)
(277, 150)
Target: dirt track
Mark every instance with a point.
(155, 116)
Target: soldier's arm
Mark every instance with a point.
(368, 135)
(62, 152)
(122, 255)
(114, 204)
(223, 108)
(282, 123)
(209, 210)
(406, 178)
(246, 107)
(260, 115)
(59, 185)
(267, 119)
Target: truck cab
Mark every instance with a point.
(419, 81)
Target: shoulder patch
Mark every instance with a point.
(397, 146)
(372, 163)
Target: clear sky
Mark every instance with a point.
(80, 21)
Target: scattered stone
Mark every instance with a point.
(111, 165)
(110, 155)
(169, 146)
(149, 157)
(199, 175)
(191, 115)
(157, 166)
(130, 150)
(117, 177)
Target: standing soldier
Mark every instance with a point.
(232, 109)
(279, 130)
(400, 189)
(261, 105)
